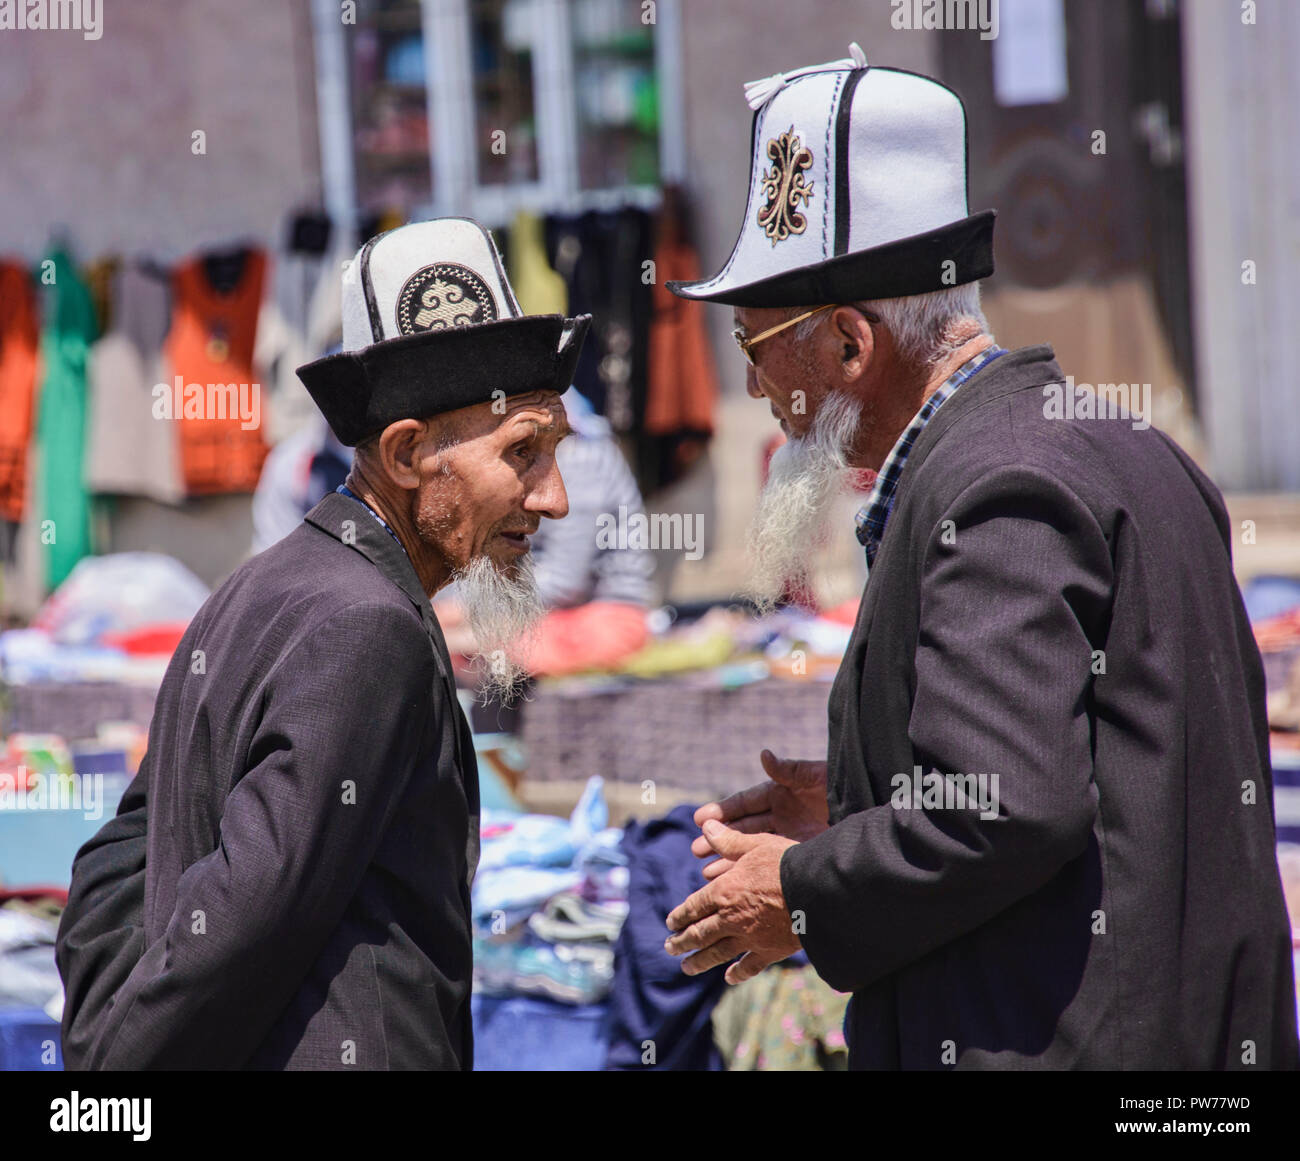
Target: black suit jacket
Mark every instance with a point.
(286, 884)
(1125, 910)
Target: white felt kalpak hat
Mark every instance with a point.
(430, 324)
(857, 190)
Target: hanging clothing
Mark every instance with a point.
(287, 408)
(683, 383)
(301, 470)
(100, 277)
(130, 452)
(601, 256)
(211, 341)
(18, 344)
(70, 327)
(281, 349)
(284, 323)
(539, 289)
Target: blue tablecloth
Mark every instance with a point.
(29, 1041)
(530, 1034)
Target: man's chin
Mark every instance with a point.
(502, 606)
(507, 562)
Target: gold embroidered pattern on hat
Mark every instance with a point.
(442, 296)
(783, 186)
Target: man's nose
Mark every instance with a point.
(549, 498)
(751, 383)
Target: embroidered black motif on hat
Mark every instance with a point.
(783, 187)
(436, 298)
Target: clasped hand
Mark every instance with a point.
(742, 912)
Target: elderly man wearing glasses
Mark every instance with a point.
(1043, 836)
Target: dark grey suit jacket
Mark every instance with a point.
(311, 799)
(1125, 910)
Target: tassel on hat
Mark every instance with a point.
(758, 93)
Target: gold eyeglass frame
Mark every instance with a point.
(745, 344)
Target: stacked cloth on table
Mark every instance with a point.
(549, 902)
(29, 979)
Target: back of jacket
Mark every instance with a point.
(1052, 610)
(312, 824)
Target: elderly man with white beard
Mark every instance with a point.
(1043, 836)
(287, 882)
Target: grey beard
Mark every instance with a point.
(805, 476)
(501, 610)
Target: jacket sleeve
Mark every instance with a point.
(1011, 590)
(344, 717)
(101, 930)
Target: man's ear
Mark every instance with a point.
(855, 340)
(400, 446)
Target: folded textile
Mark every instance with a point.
(570, 918)
(543, 840)
(572, 974)
(515, 889)
(28, 976)
(534, 840)
(653, 1000)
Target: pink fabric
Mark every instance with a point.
(592, 636)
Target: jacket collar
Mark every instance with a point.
(1018, 370)
(349, 522)
(1015, 371)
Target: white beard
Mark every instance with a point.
(805, 476)
(501, 610)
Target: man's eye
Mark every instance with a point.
(523, 450)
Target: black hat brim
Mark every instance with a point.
(915, 265)
(415, 376)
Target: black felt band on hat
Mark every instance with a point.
(915, 265)
(415, 376)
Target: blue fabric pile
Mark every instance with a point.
(549, 900)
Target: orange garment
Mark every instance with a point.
(683, 383)
(211, 341)
(19, 337)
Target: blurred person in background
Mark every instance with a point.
(1044, 834)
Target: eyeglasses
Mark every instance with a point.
(746, 345)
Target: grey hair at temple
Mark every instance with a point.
(925, 327)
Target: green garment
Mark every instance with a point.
(68, 328)
(785, 1019)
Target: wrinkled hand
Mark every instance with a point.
(740, 913)
(792, 804)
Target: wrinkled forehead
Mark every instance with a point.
(544, 410)
(752, 319)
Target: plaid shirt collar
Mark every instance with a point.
(873, 515)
